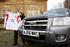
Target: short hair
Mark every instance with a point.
(17, 9)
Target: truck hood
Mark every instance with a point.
(35, 17)
(61, 12)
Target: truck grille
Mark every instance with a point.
(36, 24)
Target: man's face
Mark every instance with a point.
(17, 9)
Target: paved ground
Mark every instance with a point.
(6, 39)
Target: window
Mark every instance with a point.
(33, 12)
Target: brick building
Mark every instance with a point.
(26, 6)
(67, 3)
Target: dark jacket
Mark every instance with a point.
(22, 15)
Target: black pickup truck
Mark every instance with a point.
(52, 27)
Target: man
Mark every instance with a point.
(18, 19)
(11, 22)
(19, 16)
(7, 14)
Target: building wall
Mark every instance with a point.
(24, 5)
(11, 4)
(67, 4)
(39, 5)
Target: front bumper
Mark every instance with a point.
(41, 38)
(49, 36)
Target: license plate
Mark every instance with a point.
(31, 33)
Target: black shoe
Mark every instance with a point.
(15, 45)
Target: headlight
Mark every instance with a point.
(23, 25)
(23, 22)
(61, 21)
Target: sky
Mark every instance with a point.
(53, 4)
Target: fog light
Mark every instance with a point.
(60, 37)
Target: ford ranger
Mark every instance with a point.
(52, 27)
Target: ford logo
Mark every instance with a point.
(32, 23)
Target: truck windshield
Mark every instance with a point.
(57, 12)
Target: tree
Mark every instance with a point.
(67, 4)
(54, 4)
